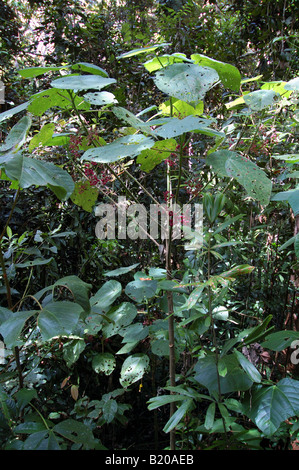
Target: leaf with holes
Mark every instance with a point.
(176, 127)
(103, 362)
(187, 82)
(150, 158)
(228, 74)
(46, 99)
(100, 98)
(133, 369)
(260, 99)
(85, 195)
(119, 318)
(247, 173)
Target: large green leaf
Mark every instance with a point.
(292, 84)
(150, 158)
(128, 146)
(107, 294)
(90, 68)
(100, 98)
(17, 135)
(82, 82)
(119, 318)
(72, 350)
(231, 164)
(187, 82)
(234, 380)
(280, 340)
(156, 63)
(32, 172)
(180, 109)
(260, 99)
(269, 406)
(104, 362)
(176, 127)
(248, 367)
(76, 432)
(228, 74)
(12, 327)
(291, 196)
(32, 72)
(77, 289)
(58, 319)
(85, 195)
(43, 136)
(46, 99)
(133, 369)
(139, 290)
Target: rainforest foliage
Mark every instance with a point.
(112, 337)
